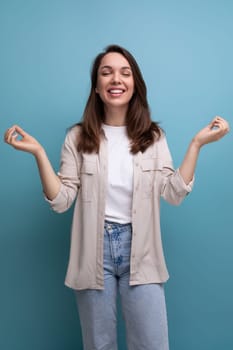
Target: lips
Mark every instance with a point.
(116, 92)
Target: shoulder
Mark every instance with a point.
(73, 134)
(159, 137)
(160, 145)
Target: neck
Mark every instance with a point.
(115, 116)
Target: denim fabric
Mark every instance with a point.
(85, 176)
(143, 306)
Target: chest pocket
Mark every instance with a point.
(88, 171)
(150, 170)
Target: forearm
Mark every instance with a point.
(49, 180)
(188, 165)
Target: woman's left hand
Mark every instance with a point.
(214, 131)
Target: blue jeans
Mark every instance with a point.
(143, 306)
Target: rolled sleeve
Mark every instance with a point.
(174, 189)
(63, 199)
(69, 174)
(183, 188)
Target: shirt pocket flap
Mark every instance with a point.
(150, 164)
(88, 168)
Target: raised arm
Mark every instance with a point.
(50, 181)
(218, 128)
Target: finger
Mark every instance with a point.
(218, 117)
(219, 123)
(223, 125)
(11, 136)
(214, 124)
(224, 122)
(215, 121)
(7, 135)
(14, 128)
(14, 140)
(20, 130)
(226, 125)
(221, 129)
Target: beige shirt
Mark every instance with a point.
(85, 175)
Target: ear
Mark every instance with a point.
(96, 90)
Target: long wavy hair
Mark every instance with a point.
(141, 130)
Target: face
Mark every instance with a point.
(115, 83)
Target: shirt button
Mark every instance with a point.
(136, 163)
(134, 211)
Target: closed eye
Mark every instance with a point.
(126, 71)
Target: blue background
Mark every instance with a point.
(185, 51)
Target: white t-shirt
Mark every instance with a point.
(120, 175)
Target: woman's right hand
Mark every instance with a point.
(50, 181)
(26, 143)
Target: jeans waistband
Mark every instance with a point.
(115, 224)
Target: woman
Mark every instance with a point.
(118, 162)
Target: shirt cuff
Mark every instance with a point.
(183, 186)
(56, 202)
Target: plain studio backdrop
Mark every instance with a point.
(184, 49)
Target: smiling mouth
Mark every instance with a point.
(116, 92)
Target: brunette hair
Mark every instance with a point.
(142, 131)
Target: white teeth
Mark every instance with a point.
(116, 91)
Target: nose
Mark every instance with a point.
(116, 78)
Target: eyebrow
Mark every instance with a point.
(110, 67)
